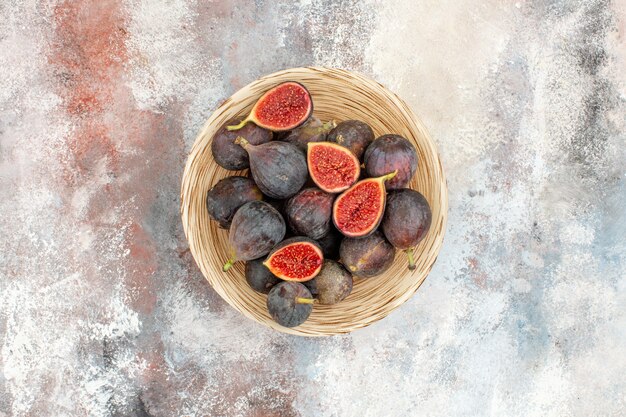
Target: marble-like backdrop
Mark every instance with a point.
(104, 313)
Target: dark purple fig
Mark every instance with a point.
(390, 153)
(308, 213)
(277, 204)
(406, 220)
(259, 277)
(332, 284)
(354, 135)
(330, 243)
(312, 131)
(228, 195)
(367, 256)
(256, 228)
(231, 156)
(278, 168)
(289, 303)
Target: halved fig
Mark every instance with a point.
(295, 259)
(284, 107)
(359, 210)
(332, 167)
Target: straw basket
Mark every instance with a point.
(338, 95)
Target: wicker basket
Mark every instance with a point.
(338, 95)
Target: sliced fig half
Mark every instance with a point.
(358, 210)
(295, 259)
(284, 107)
(332, 167)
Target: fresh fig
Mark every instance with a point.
(256, 228)
(368, 256)
(259, 277)
(406, 220)
(290, 303)
(278, 168)
(231, 156)
(332, 284)
(389, 153)
(354, 135)
(308, 213)
(359, 210)
(330, 243)
(295, 259)
(311, 131)
(228, 195)
(284, 107)
(332, 167)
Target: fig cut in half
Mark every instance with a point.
(284, 107)
(295, 259)
(358, 211)
(332, 167)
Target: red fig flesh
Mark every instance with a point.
(332, 167)
(295, 259)
(284, 107)
(359, 210)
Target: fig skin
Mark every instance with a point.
(354, 135)
(231, 156)
(259, 277)
(278, 168)
(406, 220)
(228, 195)
(388, 153)
(287, 242)
(311, 131)
(367, 256)
(256, 228)
(330, 243)
(289, 303)
(308, 213)
(332, 284)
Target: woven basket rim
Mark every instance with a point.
(194, 220)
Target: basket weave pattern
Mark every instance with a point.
(338, 95)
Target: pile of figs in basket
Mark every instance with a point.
(322, 203)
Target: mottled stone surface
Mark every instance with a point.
(104, 313)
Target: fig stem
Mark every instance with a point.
(238, 126)
(243, 142)
(301, 300)
(389, 176)
(328, 126)
(228, 264)
(409, 253)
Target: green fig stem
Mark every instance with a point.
(228, 264)
(238, 126)
(389, 176)
(301, 300)
(409, 253)
(328, 126)
(243, 142)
